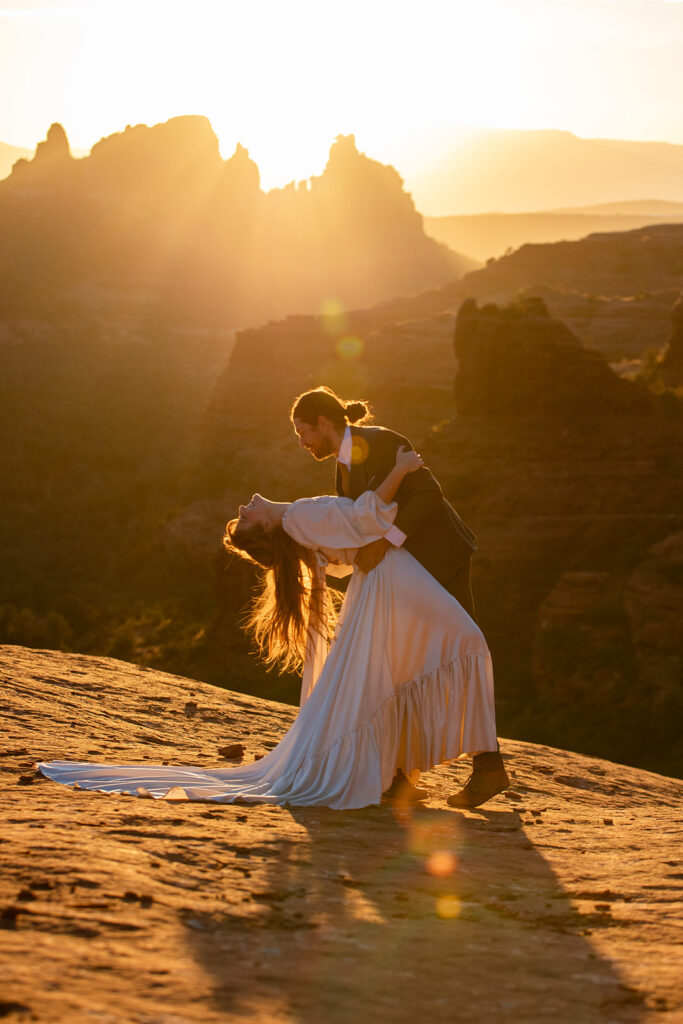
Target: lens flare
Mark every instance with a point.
(331, 307)
(333, 316)
(448, 906)
(359, 450)
(441, 863)
(429, 837)
(349, 347)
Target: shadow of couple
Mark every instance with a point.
(417, 915)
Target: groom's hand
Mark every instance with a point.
(372, 554)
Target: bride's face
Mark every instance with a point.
(256, 513)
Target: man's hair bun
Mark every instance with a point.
(356, 411)
(322, 401)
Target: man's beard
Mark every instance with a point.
(323, 450)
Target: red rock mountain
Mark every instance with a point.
(622, 263)
(157, 217)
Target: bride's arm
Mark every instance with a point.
(407, 461)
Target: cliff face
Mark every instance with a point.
(575, 478)
(492, 235)
(629, 622)
(519, 361)
(615, 291)
(123, 909)
(623, 329)
(620, 263)
(155, 211)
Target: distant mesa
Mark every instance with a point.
(614, 264)
(10, 155)
(241, 172)
(51, 156)
(491, 235)
(614, 290)
(351, 172)
(181, 153)
(516, 170)
(519, 361)
(158, 209)
(55, 147)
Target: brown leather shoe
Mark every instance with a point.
(402, 791)
(480, 787)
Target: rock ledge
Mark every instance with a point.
(560, 900)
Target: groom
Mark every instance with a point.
(425, 523)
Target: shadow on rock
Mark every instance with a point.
(414, 915)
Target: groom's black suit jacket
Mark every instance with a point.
(435, 533)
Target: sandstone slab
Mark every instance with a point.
(560, 900)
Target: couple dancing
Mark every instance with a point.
(400, 682)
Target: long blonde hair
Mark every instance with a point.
(289, 604)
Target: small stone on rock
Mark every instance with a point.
(232, 750)
(8, 917)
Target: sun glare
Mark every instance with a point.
(285, 78)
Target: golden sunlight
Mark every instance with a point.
(285, 79)
(333, 316)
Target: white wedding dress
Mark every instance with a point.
(407, 682)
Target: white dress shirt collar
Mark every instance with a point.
(345, 448)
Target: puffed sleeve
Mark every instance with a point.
(340, 524)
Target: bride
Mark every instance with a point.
(403, 680)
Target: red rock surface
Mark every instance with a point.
(560, 900)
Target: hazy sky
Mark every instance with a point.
(284, 77)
